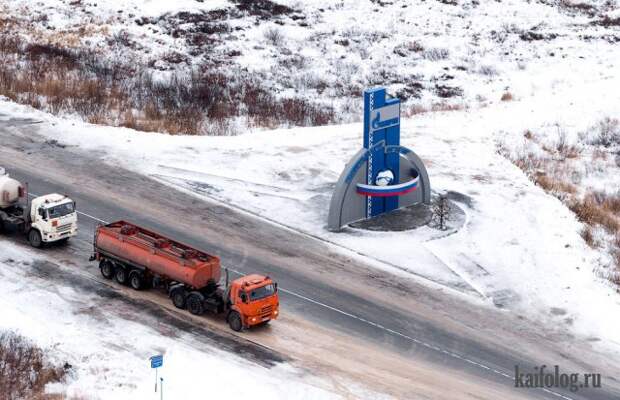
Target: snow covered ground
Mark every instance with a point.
(520, 247)
(109, 348)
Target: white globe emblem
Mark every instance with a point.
(384, 178)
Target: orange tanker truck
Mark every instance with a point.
(140, 258)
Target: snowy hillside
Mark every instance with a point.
(264, 64)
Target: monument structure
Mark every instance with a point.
(383, 176)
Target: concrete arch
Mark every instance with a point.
(348, 206)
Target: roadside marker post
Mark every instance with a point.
(156, 362)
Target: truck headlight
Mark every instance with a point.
(275, 312)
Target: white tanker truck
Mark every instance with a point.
(45, 219)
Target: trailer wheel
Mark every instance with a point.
(107, 269)
(136, 280)
(195, 303)
(234, 320)
(178, 298)
(120, 275)
(34, 237)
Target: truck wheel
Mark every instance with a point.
(34, 237)
(136, 281)
(178, 298)
(121, 275)
(195, 303)
(234, 320)
(107, 269)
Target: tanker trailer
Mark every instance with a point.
(49, 218)
(141, 258)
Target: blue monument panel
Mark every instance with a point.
(381, 129)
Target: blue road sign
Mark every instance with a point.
(157, 361)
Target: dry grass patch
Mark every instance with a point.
(25, 370)
(592, 212)
(554, 166)
(554, 184)
(435, 107)
(63, 80)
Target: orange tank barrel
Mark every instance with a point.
(142, 248)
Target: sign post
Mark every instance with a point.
(156, 362)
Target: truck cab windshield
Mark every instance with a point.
(262, 292)
(61, 210)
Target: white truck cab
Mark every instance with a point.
(52, 218)
(49, 218)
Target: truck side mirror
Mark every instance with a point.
(41, 213)
(244, 297)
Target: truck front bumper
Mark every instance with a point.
(259, 319)
(56, 236)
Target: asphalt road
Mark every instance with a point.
(331, 289)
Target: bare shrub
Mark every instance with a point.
(415, 110)
(530, 161)
(563, 147)
(444, 106)
(607, 21)
(507, 96)
(487, 70)
(434, 107)
(406, 49)
(24, 370)
(445, 91)
(441, 211)
(572, 5)
(10, 44)
(588, 236)
(274, 36)
(265, 9)
(436, 54)
(605, 133)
